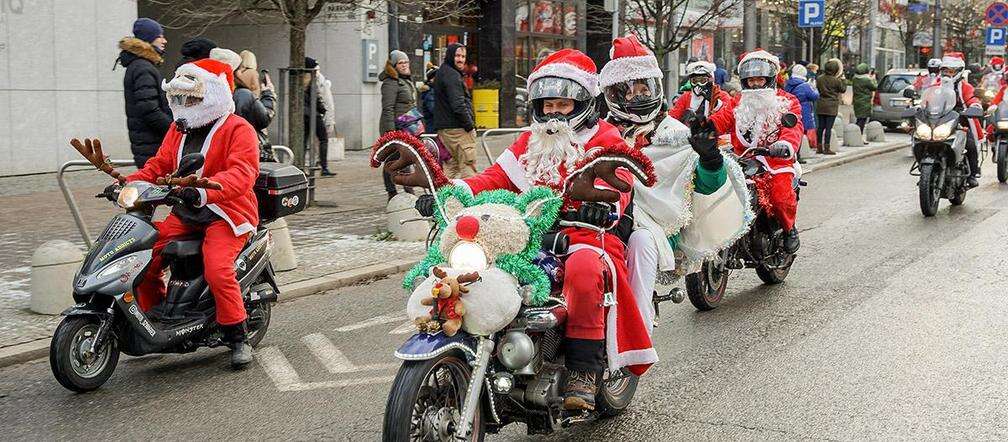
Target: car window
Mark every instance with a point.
(894, 83)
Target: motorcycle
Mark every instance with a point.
(106, 320)
(761, 248)
(999, 121)
(462, 386)
(939, 148)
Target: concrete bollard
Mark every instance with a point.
(400, 209)
(54, 265)
(806, 148)
(282, 256)
(852, 136)
(874, 132)
(836, 136)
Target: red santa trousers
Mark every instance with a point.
(783, 200)
(220, 249)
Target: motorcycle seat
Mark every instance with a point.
(182, 249)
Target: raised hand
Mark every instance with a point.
(92, 151)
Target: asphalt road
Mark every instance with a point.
(890, 326)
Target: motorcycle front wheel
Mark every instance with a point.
(929, 188)
(69, 354)
(616, 393)
(426, 400)
(706, 288)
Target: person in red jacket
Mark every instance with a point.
(953, 71)
(567, 137)
(705, 98)
(753, 119)
(200, 99)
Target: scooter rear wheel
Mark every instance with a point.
(70, 364)
(262, 322)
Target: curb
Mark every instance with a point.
(37, 349)
(870, 152)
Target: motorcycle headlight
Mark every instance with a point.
(923, 131)
(118, 266)
(1002, 125)
(468, 256)
(128, 196)
(943, 131)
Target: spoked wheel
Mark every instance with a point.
(616, 393)
(706, 288)
(775, 270)
(73, 363)
(930, 187)
(259, 321)
(425, 403)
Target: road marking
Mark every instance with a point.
(286, 378)
(278, 368)
(333, 359)
(377, 320)
(406, 327)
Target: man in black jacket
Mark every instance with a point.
(147, 112)
(453, 114)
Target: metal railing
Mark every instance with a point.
(72, 203)
(499, 131)
(286, 151)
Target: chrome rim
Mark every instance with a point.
(437, 409)
(616, 385)
(715, 276)
(84, 363)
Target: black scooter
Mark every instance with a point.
(107, 320)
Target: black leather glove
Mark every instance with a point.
(425, 205)
(779, 150)
(705, 145)
(189, 196)
(110, 192)
(596, 214)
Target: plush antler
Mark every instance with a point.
(438, 272)
(189, 181)
(603, 164)
(92, 151)
(468, 278)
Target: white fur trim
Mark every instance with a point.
(629, 68)
(462, 184)
(513, 169)
(588, 80)
(238, 230)
(231, 58)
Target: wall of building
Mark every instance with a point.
(57, 82)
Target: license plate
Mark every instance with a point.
(899, 102)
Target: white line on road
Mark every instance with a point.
(406, 327)
(286, 378)
(277, 368)
(333, 359)
(377, 320)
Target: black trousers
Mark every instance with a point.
(824, 129)
(972, 154)
(861, 122)
(323, 139)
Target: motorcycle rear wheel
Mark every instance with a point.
(264, 312)
(929, 188)
(68, 364)
(707, 287)
(777, 274)
(616, 393)
(426, 399)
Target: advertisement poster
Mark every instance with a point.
(544, 17)
(522, 17)
(570, 20)
(702, 47)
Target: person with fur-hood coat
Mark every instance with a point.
(147, 112)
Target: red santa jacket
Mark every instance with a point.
(724, 122)
(925, 81)
(231, 151)
(691, 102)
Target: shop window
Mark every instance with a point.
(542, 26)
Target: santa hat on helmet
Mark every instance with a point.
(760, 54)
(571, 64)
(628, 60)
(209, 70)
(953, 60)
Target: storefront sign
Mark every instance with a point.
(369, 60)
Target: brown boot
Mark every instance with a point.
(827, 151)
(579, 394)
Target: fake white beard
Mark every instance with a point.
(217, 102)
(550, 145)
(759, 112)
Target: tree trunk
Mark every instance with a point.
(295, 88)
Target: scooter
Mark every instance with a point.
(107, 320)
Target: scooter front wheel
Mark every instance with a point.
(70, 357)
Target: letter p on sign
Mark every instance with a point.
(811, 13)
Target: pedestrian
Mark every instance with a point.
(254, 99)
(318, 108)
(720, 74)
(831, 86)
(147, 113)
(427, 99)
(813, 72)
(196, 49)
(807, 96)
(398, 98)
(453, 114)
(864, 86)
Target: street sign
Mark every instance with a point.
(811, 13)
(996, 14)
(995, 37)
(994, 50)
(369, 60)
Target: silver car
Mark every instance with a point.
(889, 102)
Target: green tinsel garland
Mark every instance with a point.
(518, 265)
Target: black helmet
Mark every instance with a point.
(544, 88)
(635, 101)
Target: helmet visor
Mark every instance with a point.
(756, 68)
(556, 87)
(646, 89)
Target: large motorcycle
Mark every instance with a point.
(761, 248)
(999, 121)
(939, 148)
(107, 320)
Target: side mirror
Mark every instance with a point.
(909, 93)
(789, 120)
(189, 164)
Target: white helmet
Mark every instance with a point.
(698, 68)
(934, 63)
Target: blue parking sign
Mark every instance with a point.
(811, 13)
(995, 36)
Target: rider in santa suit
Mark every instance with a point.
(697, 100)
(953, 70)
(994, 80)
(564, 132)
(200, 97)
(925, 81)
(754, 120)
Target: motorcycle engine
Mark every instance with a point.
(759, 244)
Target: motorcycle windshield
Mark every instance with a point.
(938, 100)
(1002, 113)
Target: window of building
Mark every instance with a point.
(542, 26)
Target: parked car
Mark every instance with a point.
(889, 103)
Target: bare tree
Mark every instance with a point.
(297, 14)
(840, 16)
(964, 27)
(908, 24)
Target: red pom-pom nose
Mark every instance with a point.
(467, 227)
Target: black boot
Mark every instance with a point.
(973, 181)
(236, 337)
(791, 241)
